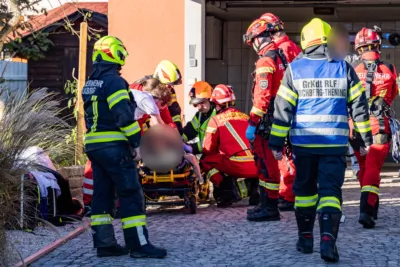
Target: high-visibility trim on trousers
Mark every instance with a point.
(269, 186)
(133, 221)
(101, 219)
(371, 189)
(305, 202)
(332, 202)
(242, 188)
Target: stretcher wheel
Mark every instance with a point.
(192, 204)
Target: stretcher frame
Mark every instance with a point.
(183, 185)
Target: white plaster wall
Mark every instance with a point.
(194, 35)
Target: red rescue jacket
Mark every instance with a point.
(267, 79)
(289, 48)
(226, 134)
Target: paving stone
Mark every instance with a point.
(223, 237)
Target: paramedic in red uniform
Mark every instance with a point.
(267, 78)
(226, 150)
(288, 171)
(380, 81)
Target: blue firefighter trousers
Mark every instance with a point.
(318, 182)
(115, 171)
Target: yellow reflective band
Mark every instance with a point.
(237, 138)
(185, 138)
(117, 97)
(288, 95)
(104, 137)
(173, 98)
(132, 129)
(265, 69)
(101, 219)
(304, 202)
(257, 111)
(362, 127)
(270, 186)
(332, 202)
(383, 92)
(133, 221)
(371, 189)
(195, 123)
(242, 158)
(212, 172)
(280, 131)
(211, 130)
(176, 118)
(242, 188)
(95, 110)
(355, 91)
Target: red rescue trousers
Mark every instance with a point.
(288, 173)
(216, 165)
(370, 170)
(268, 167)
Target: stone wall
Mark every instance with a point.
(75, 176)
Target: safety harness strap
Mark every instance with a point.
(371, 68)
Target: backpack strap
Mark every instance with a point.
(274, 54)
(371, 68)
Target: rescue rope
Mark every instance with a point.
(395, 129)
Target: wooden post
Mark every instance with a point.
(81, 128)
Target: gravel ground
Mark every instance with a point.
(27, 243)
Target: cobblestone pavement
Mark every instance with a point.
(223, 237)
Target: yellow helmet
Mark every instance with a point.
(168, 73)
(110, 49)
(315, 33)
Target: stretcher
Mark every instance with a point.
(181, 182)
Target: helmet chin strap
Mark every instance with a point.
(260, 43)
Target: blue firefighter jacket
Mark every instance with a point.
(109, 109)
(312, 106)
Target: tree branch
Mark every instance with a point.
(12, 23)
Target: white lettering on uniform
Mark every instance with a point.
(91, 86)
(377, 76)
(321, 88)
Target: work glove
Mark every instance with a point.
(250, 133)
(187, 148)
(364, 150)
(278, 155)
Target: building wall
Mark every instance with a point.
(152, 30)
(238, 59)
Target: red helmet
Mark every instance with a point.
(259, 28)
(223, 94)
(274, 20)
(367, 37)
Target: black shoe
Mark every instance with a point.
(329, 228)
(262, 199)
(286, 206)
(269, 212)
(148, 251)
(305, 224)
(112, 251)
(366, 220)
(256, 209)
